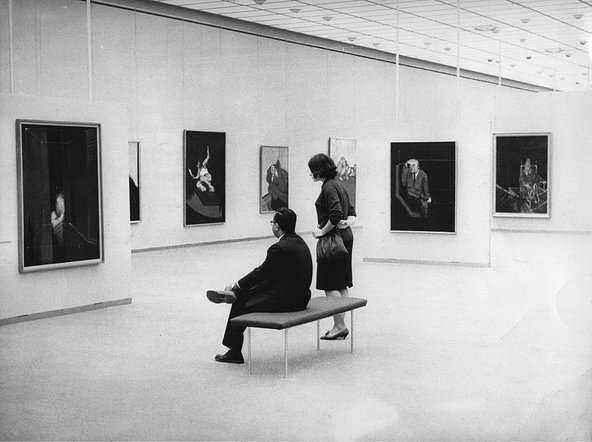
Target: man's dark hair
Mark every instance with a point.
(322, 166)
(286, 219)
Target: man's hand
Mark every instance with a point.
(317, 233)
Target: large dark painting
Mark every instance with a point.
(59, 188)
(423, 187)
(521, 165)
(273, 178)
(204, 169)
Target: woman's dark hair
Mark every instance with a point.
(322, 166)
(286, 219)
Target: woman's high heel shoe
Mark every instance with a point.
(342, 334)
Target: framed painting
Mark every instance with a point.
(134, 181)
(273, 178)
(522, 171)
(343, 153)
(423, 187)
(204, 168)
(59, 194)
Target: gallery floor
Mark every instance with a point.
(442, 353)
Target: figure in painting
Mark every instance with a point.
(529, 186)
(57, 227)
(202, 177)
(415, 188)
(344, 170)
(277, 180)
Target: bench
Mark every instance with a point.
(317, 309)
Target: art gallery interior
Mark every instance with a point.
(483, 332)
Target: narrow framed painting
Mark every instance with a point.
(521, 164)
(343, 153)
(204, 168)
(273, 178)
(134, 181)
(59, 194)
(423, 187)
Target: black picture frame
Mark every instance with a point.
(59, 194)
(522, 171)
(134, 181)
(274, 178)
(412, 208)
(205, 184)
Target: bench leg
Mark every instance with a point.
(286, 351)
(318, 335)
(249, 347)
(352, 331)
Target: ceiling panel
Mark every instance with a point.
(542, 42)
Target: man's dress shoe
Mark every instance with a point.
(220, 296)
(231, 358)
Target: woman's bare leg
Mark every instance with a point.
(338, 320)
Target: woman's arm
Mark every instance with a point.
(345, 223)
(205, 162)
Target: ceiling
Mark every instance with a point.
(547, 43)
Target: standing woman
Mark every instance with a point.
(334, 211)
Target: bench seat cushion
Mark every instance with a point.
(317, 308)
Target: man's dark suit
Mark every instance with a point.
(280, 284)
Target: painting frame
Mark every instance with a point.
(428, 203)
(134, 182)
(59, 168)
(204, 169)
(274, 178)
(526, 193)
(343, 152)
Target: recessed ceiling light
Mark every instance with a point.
(568, 55)
(525, 20)
(485, 28)
(427, 43)
(583, 42)
(375, 44)
(554, 50)
(562, 78)
(327, 18)
(577, 82)
(578, 16)
(447, 49)
(512, 65)
(351, 38)
(295, 10)
(528, 57)
(551, 75)
(259, 2)
(522, 40)
(495, 30)
(490, 60)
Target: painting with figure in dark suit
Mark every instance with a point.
(59, 185)
(204, 168)
(273, 178)
(521, 170)
(343, 153)
(134, 180)
(423, 186)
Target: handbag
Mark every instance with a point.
(330, 247)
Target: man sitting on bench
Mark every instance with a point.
(280, 284)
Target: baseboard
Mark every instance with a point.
(425, 262)
(65, 311)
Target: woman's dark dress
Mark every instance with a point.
(333, 205)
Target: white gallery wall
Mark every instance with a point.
(148, 78)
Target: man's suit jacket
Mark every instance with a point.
(420, 188)
(282, 282)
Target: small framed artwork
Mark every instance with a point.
(423, 187)
(273, 178)
(59, 195)
(134, 181)
(343, 153)
(204, 168)
(522, 171)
